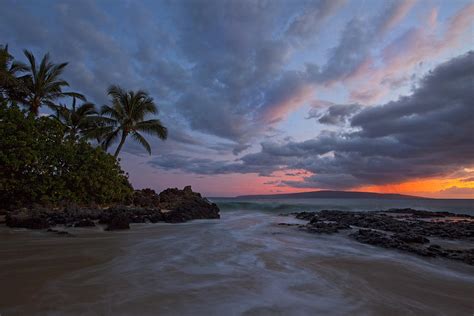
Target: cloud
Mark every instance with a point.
(414, 46)
(313, 15)
(219, 68)
(334, 114)
(429, 133)
(426, 134)
(396, 12)
(205, 166)
(295, 88)
(275, 182)
(458, 191)
(242, 79)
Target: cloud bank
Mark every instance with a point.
(426, 134)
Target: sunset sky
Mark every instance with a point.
(277, 96)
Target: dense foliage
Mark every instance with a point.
(39, 164)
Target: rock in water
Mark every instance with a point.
(412, 238)
(183, 205)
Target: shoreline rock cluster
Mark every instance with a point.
(170, 206)
(407, 230)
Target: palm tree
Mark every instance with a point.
(45, 83)
(11, 86)
(127, 116)
(78, 121)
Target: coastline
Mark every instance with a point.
(170, 206)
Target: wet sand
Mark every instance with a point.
(243, 264)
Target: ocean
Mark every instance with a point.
(461, 206)
(241, 264)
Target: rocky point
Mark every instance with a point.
(170, 206)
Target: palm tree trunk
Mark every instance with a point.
(122, 141)
(35, 105)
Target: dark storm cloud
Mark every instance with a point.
(74, 31)
(205, 166)
(429, 133)
(235, 56)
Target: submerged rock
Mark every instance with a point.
(401, 229)
(322, 227)
(411, 238)
(373, 237)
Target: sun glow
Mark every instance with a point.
(437, 188)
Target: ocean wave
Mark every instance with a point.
(264, 206)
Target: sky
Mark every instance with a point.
(277, 96)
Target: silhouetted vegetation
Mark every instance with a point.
(127, 117)
(48, 159)
(39, 164)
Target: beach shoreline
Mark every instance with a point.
(243, 264)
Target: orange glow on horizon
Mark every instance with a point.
(433, 187)
(437, 188)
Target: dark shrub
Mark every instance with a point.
(38, 165)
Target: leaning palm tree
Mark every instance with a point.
(45, 84)
(78, 121)
(127, 116)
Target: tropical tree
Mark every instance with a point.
(12, 85)
(44, 83)
(127, 116)
(78, 121)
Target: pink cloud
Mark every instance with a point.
(299, 96)
(398, 12)
(303, 91)
(414, 46)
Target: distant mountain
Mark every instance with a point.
(332, 195)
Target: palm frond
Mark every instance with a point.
(32, 61)
(110, 138)
(142, 141)
(75, 95)
(153, 127)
